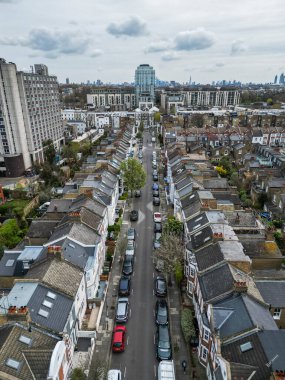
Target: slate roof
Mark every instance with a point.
(76, 254)
(273, 342)
(241, 371)
(202, 237)
(208, 257)
(58, 274)
(59, 205)
(192, 209)
(186, 191)
(8, 263)
(11, 347)
(273, 292)
(58, 313)
(86, 217)
(223, 195)
(216, 282)
(83, 201)
(220, 183)
(254, 357)
(41, 228)
(240, 313)
(77, 231)
(260, 249)
(197, 223)
(186, 181)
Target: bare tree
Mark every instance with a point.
(171, 253)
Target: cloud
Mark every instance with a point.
(51, 42)
(194, 40)
(220, 64)
(238, 47)
(96, 53)
(170, 56)
(8, 1)
(133, 27)
(155, 47)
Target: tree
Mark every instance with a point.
(157, 117)
(134, 176)
(77, 374)
(173, 226)
(49, 151)
(171, 253)
(70, 151)
(9, 234)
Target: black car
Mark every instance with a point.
(124, 286)
(160, 287)
(155, 177)
(161, 312)
(157, 227)
(128, 265)
(163, 343)
(155, 201)
(134, 215)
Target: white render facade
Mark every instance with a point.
(30, 114)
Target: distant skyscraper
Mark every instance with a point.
(282, 79)
(29, 115)
(67, 81)
(275, 79)
(144, 83)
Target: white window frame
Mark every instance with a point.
(204, 353)
(192, 271)
(206, 335)
(277, 313)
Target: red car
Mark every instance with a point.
(119, 337)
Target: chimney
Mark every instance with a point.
(240, 286)
(55, 251)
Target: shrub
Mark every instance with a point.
(124, 196)
(187, 325)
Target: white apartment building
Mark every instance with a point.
(29, 115)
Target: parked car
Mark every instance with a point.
(155, 201)
(134, 215)
(157, 240)
(114, 374)
(154, 172)
(160, 287)
(265, 215)
(119, 338)
(163, 343)
(130, 250)
(122, 313)
(155, 193)
(137, 193)
(155, 186)
(124, 286)
(128, 265)
(155, 177)
(131, 234)
(161, 312)
(157, 227)
(157, 217)
(154, 165)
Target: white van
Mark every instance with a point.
(166, 370)
(114, 374)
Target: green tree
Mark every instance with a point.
(134, 176)
(9, 234)
(49, 151)
(173, 226)
(157, 117)
(70, 151)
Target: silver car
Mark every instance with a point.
(122, 313)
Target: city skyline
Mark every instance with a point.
(107, 40)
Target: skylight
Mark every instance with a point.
(10, 263)
(25, 339)
(51, 295)
(47, 304)
(13, 363)
(246, 347)
(43, 313)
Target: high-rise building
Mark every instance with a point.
(67, 81)
(144, 84)
(275, 79)
(29, 115)
(282, 79)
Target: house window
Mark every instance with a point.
(190, 287)
(204, 353)
(192, 272)
(206, 336)
(277, 313)
(12, 363)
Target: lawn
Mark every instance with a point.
(13, 207)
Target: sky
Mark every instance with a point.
(207, 40)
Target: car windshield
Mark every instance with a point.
(161, 284)
(164, 344)
(162, 312)
(117, 344)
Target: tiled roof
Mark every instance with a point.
(93, 205)
(8, 263)
(254, 357)
(208, 257)
(202, 237)
(273, 292)
(216, 282)
(197, 223)
(220, 183)
(190, 199)
(86, 216)
(273, 342)
(39, 362)
(223, 195)
(59, 205)
(59, 274)
(76, 231)
(41, 228)
(14, 349)
(186, 181)
(260, 249)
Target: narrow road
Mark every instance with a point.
(139, 361)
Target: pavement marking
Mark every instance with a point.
(125, 372)
(127, 340)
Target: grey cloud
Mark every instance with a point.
(194, 40)
(170, 56)
(52, 43)
(133, 27)
(220, 64)
(8, 1)
(156, 47)
(238, 47)
(96, 53)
